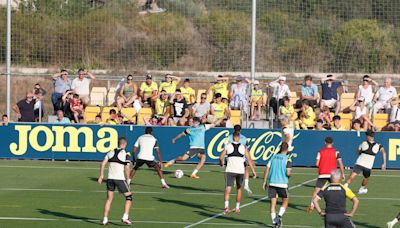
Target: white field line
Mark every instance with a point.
(245, 205)
(39, 189)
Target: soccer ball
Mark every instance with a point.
(178, 173)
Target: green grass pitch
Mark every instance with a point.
(66, 194)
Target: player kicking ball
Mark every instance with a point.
(235, 169)
(147, 143)
(196, 134)
(276, 180)
(117, 169)
(394, 221)
(367, 152)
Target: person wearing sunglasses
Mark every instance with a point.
(25, 108)
(202, 109)
(127, 93)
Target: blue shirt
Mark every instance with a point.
(329, 93)
(277, 173)
(243, 140)
(196, 136)
(60, 86)
(309, 91)
(64, 120)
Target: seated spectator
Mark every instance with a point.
(179, 106)
(238, 94)
(76, 106)
(320, 125)
(188, 92)
(61, 85)
(366, 90)
(356, 125)
(395, 112)
(325, 116)
(202, 109)
(25, 109)
(288, 110)
(81, 85)
(162, 105)
(395, 126)
(4, 120)
(98, 119)
(39, 94)
(127, 94)
(307, 116)
(221, 87)
(256, 99)
(169, 85)
(171, 122)
(384, 96)
(113, 119)
(361, 113)
(219, 110)
(66, 105)
(148, 90)
(330, 93)
(154, 121)
(281, 90)
(336, 124)
(309, 91)
(61, 119)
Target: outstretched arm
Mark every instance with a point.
(178, 137)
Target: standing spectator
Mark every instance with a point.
(66, 105)
(281, 89)
(366, 90)
(309, 91)
(25, 108)
(219, 109)
(256, 99)
(188, 92)
(170, 83)
(162, 106)
(148, 90)
(180, 107)
(61, 84)
(307, 116)
(336, 124)
(384, 96)
(127, 93)
(202, 109)
(61, 119)
(330, 93)
(76, 107)
(4, 120)
(361, 113)
(238, 94)
(39, 93)
(220, 87)
(81, 85)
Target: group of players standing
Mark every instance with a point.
(237, 161)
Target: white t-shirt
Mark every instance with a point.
(235, 164)
(280, 91)
(81, 87)
(288, 130)
(146, 143)
(385, 94)
(360, 112)
(368, 153)
(366, 93)
(116, 171)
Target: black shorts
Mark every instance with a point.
(322, 181)
(338, 220)
(361, 169)
(141, 162)
(232, 177)
(195, 151)
(122, 186)
(275, 192)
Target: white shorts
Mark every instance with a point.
(330, 103)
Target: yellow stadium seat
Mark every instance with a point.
(346, 100)
(144, 113)
(129, 112)
(111, 96)
(345, 120)
(210, 96)
(380, 120)
(97, 98)
(236, 117)
(105, 113)
(102, 90)
(199, 92)
(91, 112)
(293, 98)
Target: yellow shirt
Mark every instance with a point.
(169, 87)
(287, 111)
(219, 110)
(112, 122)
(148, 89)
(188, 93)
(333, 128)
(309, 122)
(161, 106)
(256, 94)
(221, 88)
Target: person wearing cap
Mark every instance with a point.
(219, 109)
(162, 106)
(367, 152)
(148, 90)
(307, 116)
(320, 125)
(256, 99)
(170, 83)
(81, 85)
(384, 96)
(361, 113)
(238, 94)
(356, 126)
(221, 86)
(366, 90)
(336, 124)
(309, 91)
(188, 92)
(281, 89)
(330, 98)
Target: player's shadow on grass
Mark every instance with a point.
(73, 217)
(363, 224)
(187, 204)
(231, 219)
(299, 207)
(194, 189)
